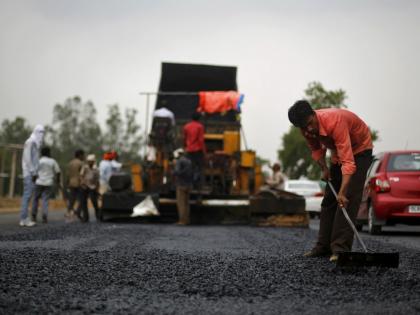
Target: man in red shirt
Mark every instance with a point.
(349, 140)
(195, 148)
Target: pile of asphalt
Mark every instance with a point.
(127, 268)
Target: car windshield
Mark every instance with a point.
(404, 162)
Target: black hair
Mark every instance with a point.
(196, 116)
(299, 113)
(46, 151)
(79, 153)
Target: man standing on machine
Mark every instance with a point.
(349, 139)
(195, 147)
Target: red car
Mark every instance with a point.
(391, 192)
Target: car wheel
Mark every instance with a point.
(373, 228)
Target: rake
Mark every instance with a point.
(367, 258)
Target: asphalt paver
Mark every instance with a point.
(166, 269)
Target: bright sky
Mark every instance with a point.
(108, 51)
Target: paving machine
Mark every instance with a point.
(230, 175)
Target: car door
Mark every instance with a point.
(364, 206)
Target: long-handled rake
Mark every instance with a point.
(367, 257)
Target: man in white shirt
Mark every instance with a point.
(277, 179)
(163, 112)
(30, 159)
(108, 166)
(48, 173)
(105, 171)
(116, 166)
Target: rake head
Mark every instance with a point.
(358, 259)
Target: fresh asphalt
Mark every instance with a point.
(124, 267)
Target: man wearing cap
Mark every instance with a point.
(105, 172)
(90, 186)
(184, 178)
(30, 161)
(349, 140)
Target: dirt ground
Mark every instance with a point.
(10, 205)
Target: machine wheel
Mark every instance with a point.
(373, 228)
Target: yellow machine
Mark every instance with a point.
(228, 170)
(232, 176)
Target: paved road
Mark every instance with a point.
(401, 235)
(160, 269)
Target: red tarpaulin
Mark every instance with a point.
(219, 101)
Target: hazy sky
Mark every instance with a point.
(109, 51)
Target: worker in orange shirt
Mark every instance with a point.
(349, 140)
(195, 147)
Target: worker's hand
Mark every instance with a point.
(342, 200)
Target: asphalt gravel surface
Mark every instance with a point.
(167, 269)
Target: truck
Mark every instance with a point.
(232, 175)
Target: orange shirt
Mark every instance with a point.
(344, 133)
(194, 137)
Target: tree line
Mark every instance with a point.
(75, 126)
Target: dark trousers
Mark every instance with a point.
(87, 194)
(45, 192)
(74, 195)
(335, 234)
(197, 161)
(183, 204)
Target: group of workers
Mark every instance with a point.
(338, 130)
(84, 180)
(87, 181)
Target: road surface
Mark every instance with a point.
(159, 269)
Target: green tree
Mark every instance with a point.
(74, 127)
(319, 97)
(15, 131)
(12, 132)
(123, 133)
(114, 129)
(295, 155)
(89, 134)
(132, 139)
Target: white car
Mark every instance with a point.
(311, 190)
